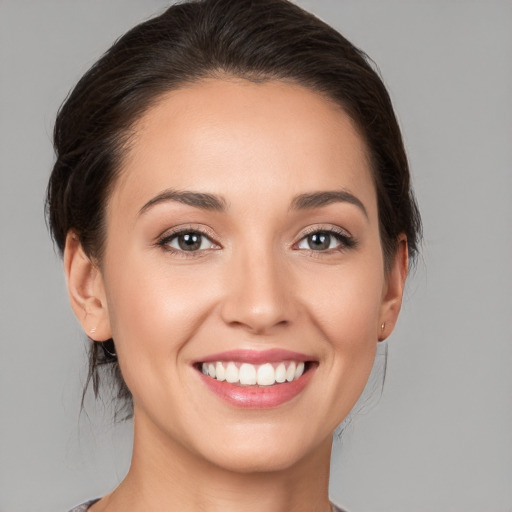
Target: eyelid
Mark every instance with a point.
(329, 228)
(184, 228)
(166, 236)
(345, 238)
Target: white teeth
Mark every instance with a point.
(290, 372)
(220, 372)
(299, 370)
(266, 375)
(247, 374)
(231, 373)
(281, 373)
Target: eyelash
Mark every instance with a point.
(166, 239)
(345, 240)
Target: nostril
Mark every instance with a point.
(258, 325)
(258, 298)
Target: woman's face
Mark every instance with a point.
(243, 236)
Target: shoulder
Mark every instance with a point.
(84, 506)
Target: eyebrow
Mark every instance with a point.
(212, 202)
(195, 199)
(318, 199)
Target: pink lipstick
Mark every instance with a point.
(256, 379)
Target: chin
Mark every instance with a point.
(263, 452)
(258, 461)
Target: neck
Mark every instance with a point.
(166, 476)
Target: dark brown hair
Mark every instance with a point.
(258, 40)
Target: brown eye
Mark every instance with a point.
(319, 241)
(188, 241)
(326, 240)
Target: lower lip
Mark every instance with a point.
(258, 397)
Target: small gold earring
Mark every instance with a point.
(382, 326)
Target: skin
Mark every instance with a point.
(254, 284)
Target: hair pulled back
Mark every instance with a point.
(258, 40)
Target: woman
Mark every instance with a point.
(231, 197)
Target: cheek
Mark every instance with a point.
(345, 306)
(153, 316)
(348, 317)
(155, 308)
(346, 302)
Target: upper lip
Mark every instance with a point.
(256, 356)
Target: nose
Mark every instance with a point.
(259, 294)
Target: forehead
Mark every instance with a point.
(235, 137)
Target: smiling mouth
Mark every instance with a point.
(255, 375)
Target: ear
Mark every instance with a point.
(86, 290)
(393, 290)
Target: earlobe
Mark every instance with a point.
(393, 291)
(86, 290)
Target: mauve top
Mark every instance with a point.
(85, 506)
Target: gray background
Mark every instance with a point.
(440, 439)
